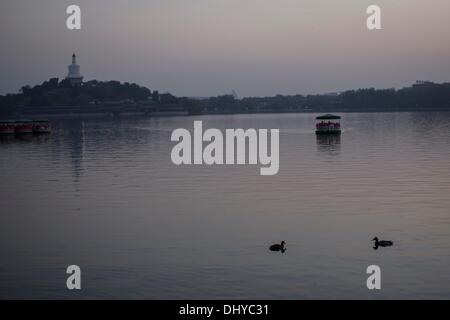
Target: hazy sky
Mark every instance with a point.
(210, 47)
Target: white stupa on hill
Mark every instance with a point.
(74, 75)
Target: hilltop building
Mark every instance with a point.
(74, 75)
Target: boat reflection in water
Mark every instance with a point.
(330, 143)
(20, 138)
(328, 133)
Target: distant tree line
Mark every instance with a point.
(422, 96)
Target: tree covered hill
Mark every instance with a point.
(61, 93)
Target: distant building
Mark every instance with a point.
(74, 75)
(331, 94)
(423, 84)
(155, 96)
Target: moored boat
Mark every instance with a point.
(328, 124)
(41, 126)
(7, 127)
(24, 127)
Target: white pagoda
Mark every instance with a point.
(74, 75)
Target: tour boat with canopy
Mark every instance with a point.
(328, 124)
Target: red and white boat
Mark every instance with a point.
(41, 126)
(7, 127)
(24, 127)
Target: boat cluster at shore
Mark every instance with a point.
(11, 127)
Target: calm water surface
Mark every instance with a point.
(104, 194)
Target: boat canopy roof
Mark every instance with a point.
(328, 117)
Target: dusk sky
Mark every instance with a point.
(210, 47)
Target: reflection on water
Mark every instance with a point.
(76, 136)
(24, 138)
(330, 143)
(104, 194)
(7, 138)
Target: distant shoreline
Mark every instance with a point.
(185, 114)
(56, 97)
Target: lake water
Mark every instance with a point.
(103, 194)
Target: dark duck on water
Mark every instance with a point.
(382, 243)
(278, 247)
